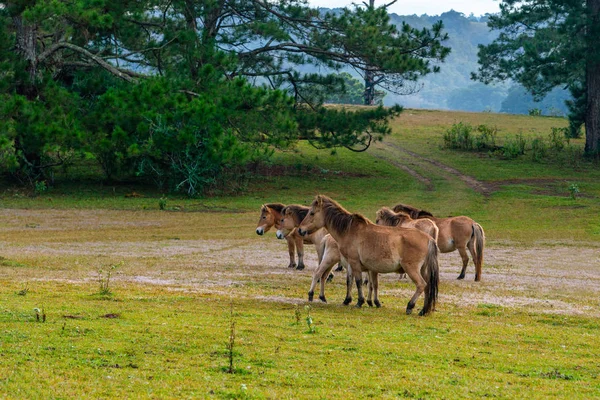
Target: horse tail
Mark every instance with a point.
(479, 236)
(433, 278)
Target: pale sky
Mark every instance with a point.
(430, 7)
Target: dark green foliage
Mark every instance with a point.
(547, 44)
(184, 93)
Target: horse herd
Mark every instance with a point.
(403, 240)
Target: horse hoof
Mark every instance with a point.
(347, 300)
(300, 267)
(477, 278)
(292, 265)
(370, 303)
(322, 298)
(310, 296)
(461, 276)
(330, 278)
(359, 303)
(421, 313)
(409, 311)
(377, 303)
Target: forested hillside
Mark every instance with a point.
(453, 89)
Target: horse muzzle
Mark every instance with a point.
(302, 232)
(260, 231)
(280, 235)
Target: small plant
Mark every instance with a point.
(309, 320)
(24, 291)
(39, 187)
(573, 190)
(162, 203)
(104, 278)
(558, 139)
(536, 112)
(297, 314)
(459, 136)
(231, 342)
(40, 315)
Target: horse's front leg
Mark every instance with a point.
(348, 298)
(300, 248)
(291, 250)
(357, 274)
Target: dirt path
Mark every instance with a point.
(398, 152)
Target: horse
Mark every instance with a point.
(378, 249)
(455, 233)
(327, 248)
(270, 215)
(388, 217)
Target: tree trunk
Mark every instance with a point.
(592, 115)
(369, 95)
(26, 46)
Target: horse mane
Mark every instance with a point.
(298, 212)
(337, 217)
(275, 206)
(391, 217)
(413, 212)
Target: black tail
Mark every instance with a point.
(433, 278)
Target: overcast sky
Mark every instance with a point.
(430, 7)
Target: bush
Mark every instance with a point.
(539, 149)
(514, 147)
(461, 136)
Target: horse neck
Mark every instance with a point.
(333, 227)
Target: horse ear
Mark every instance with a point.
(319, 200)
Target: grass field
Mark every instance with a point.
(184, 276)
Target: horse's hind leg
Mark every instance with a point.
(329, 260)
(414, 274)
(465, 259)
(471, 246)
(373, 287)
(292, 251)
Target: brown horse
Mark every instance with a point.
(327, 248)
(270, 215)
(388, 217)
(456, 233)
(378, 249)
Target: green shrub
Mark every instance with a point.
(514, 147)
(463, 136)
(539, 149)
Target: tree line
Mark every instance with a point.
(180, 92)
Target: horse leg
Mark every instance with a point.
(374, 276)
(324, 269)
(348, 298)
(414, 274)
(471, 247)
(318, 277)
(370, 295)
(357, 273)
(465, 259)
(291, 250)
(300, 249)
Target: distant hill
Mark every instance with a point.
(453, 89)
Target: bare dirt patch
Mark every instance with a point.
(547, 278)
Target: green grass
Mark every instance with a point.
(168, 337)
(164, 344)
